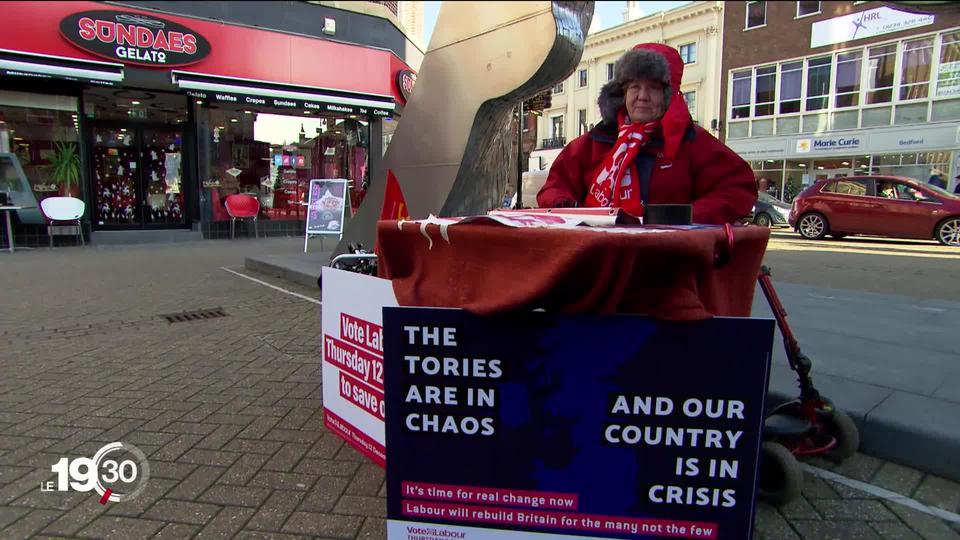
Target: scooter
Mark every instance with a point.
(355, 260)
(809, 425)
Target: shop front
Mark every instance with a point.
(786, 165)
(154, 119)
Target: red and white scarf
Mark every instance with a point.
(616, 183)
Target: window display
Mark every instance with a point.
(274, 157)
(43, 132)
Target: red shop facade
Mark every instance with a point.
(153, 119)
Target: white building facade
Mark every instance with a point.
(694, 29)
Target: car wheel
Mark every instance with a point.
(948, 232)
(813, 226)
(762, 220)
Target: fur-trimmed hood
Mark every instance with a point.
(659, 63)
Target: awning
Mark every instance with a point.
(40, 66)
(253, 94)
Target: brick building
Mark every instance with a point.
(823, 89)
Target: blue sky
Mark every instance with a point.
(609, 13)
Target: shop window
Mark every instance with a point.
(740, 98)
(765, 85)
(558, 89)
(807, 8)
(915, 69)
(581, 121)
(814, 123)
(756, 15)
(610, 71)
(42, 131)
(582, 78)
(738, 130)
(945, 110)
(847, 87)
(688, 53)
(845, 119)
(875, 117)
(818, 83)
(791, 81)
(948, 72)
(914, 113)
(788, 125)
(690, 98)
(274, 157)
(761, 128)
(880, 71)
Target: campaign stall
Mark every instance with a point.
(545, 378)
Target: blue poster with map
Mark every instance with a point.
(544, 425)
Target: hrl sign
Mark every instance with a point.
(136, 39)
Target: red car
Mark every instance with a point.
(893, 206)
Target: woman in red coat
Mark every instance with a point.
(647, 150)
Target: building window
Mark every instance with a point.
(741, 94)
(556, 126)
(807, 8)
(691, 99)
(818, 83)
(610, 71)
(688, 53)
(582, 78)
(915, 69)
(766, 83)
(847, 87)
(880, 66)
(756, 15)
(581, 121)
(791, 83)
(558, 89)
(948, 75)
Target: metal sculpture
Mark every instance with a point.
(451, 151)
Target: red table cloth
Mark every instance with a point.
(667, 273)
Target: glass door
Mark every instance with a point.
(161, 157)
(138, 177)
(116, 178)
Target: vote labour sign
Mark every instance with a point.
(352, 369)
(582, 426)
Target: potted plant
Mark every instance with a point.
(65, 168)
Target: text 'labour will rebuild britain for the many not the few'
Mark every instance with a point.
(472, 394)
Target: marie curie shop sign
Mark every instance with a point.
(826, 144)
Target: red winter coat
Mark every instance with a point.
(702, 170)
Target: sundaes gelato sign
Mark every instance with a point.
(132, 38)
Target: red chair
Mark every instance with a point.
(242, 207)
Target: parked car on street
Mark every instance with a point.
(893, 206)
(769, 211)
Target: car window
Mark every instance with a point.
(911, 194)
(886, 189)
(847, 187)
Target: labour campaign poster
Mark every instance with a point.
(352, 369)
(546, 425)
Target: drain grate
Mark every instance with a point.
(197, 315)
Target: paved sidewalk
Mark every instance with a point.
(228, 410)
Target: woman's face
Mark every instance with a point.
(644, 100)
